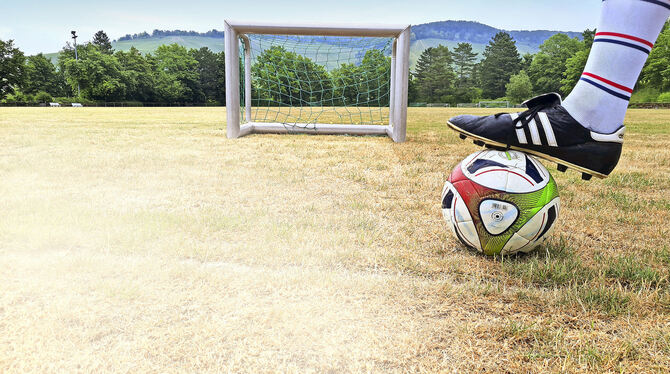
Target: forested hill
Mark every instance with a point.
(448, 33)
(458, 31)
(478, 33)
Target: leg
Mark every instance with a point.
(586, 132)
(626, 32)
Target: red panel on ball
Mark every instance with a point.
(468, 189)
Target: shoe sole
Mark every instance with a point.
(562, 164)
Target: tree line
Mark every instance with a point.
(214, 33)
(444, 76)
(175, 74)
(171, 74)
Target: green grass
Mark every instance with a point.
(632, 273)
(557, 265)
(603, 299)
(608, 285)
(635, 180)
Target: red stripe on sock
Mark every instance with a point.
(629, 37)
(613, 84)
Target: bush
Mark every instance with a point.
(519, 87)
(18, 97)
(467, 95)
(645, 95)
(43, 97)
(664, 97)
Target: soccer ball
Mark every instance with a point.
(500, 202)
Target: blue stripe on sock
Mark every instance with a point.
(664, 5)
(611, 92)
(631, 45)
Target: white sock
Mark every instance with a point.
(626, 32)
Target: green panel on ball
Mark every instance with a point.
(527, 203)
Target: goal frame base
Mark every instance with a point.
(234, 31)
(314, 129)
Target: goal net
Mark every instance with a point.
(316, 79)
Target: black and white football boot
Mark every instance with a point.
(548, 131)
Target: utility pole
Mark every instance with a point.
(76, 57)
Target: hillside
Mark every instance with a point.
(149, 45)
(448, 33)
(478, 33)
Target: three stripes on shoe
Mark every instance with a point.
(538, 135)
(624, 40)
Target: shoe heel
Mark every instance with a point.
(599, 157)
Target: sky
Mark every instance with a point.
(44, 26)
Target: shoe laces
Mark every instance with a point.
(524, 118)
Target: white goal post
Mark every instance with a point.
(236, 32)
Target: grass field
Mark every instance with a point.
(142, 240)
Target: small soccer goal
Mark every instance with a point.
(493, 104)
(316, 79)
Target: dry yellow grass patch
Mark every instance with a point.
(143, 240)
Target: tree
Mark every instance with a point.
(587, 37)
(101, 40)
(346, 79)
(65, 54)
(574, 66)
(97, 74)
(464, 61)
(546, 70)
(221, 77)
(501, 61)
(422, 73)
(138, 74)
(41, 75)
(375, 71)
(656, 72)
(177, 75)
(526, 61)
(412, 94)
(207, 71)
(288, 78)
(434, 75)
(11, 67)
(519, 87)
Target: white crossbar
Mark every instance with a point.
(388, 31)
